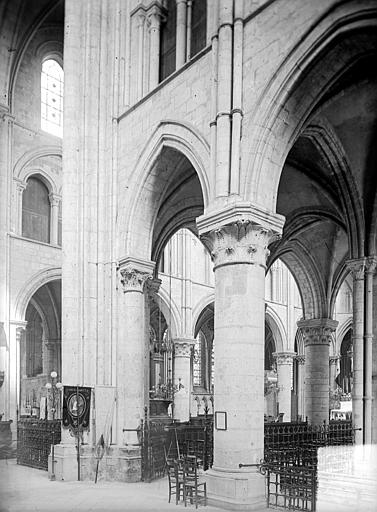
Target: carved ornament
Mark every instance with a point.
(284, 358)
(242, 241)
(183, 348)
(133, 280)
(317, 331)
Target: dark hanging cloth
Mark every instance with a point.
(76, 407)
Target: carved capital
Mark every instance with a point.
(135, 273)
(153, 286)
(317, 331)
(20, 185)
(54, 199)
(357, 267)
(154, 17)
(239, 233)
(333, 360)
(133, 280)
(19, 332)
(300, 359)
(240, 242)
(371, 264)
(284, 358)
(183, 347)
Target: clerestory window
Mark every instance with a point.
(52, 83)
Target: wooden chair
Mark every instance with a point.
(175, 477)
(193, 490)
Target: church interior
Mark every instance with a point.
(188, 242)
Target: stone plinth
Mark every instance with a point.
(235, 490)
(119, 463)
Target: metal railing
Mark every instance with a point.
(34, 439)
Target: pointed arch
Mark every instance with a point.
(188, 146)
(277, 328)
(30, 288)
(295, 90)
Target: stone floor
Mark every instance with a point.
(24, 489)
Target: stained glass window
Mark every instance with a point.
(52, 82)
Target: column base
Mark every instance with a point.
(235, 490)
(119, 464)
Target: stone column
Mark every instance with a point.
(180, 54)
(238, 240)
(188, 29)
(154, 18)
(333, 364)
(131, 350)
(182, 367)
(284, 362)
(54, 202)
(368, 355)
(20, 187)
(140, 61)
(224, 97)
(357, 267)
(301, 386)
(317, 335)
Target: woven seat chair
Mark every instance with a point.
(193, 490)
(175, 478)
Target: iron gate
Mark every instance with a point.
(291, 460)
(34, 440)
(167, 440)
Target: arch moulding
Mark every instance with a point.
(184, 139)
(277, 328)
(286, 103)
(24, 168)
(199, 308)
(28, 290)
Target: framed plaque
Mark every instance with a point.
(220, 420)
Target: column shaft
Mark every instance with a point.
(368, 354)
(284, 361)
(131, 352)
(182, 355)
(239, 250)
(224, 98)
(317, 336)
(358, 267)
(154, 55)
(180, 55)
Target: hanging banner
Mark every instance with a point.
(76, 407)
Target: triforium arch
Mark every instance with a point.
(176, 153)
(30, 288)
(309, 71)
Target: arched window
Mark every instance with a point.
(34, 335)
(36, 211)
(198, 26)
(52, 81)
(200, 361)
(168, 41)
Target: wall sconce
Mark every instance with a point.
(2, 377)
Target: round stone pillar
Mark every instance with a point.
(284, 362)
(317, 335)
(182, 361)
(333, 365)
(239, 251)
(357, 268)
(301, 386)
(133, 342)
